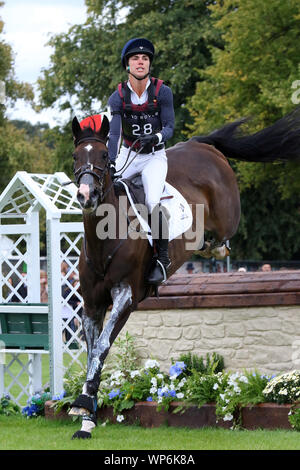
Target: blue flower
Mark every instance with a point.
(30, 410)
(149, 399)
(177, 369)
(114, 393)
(60, 396)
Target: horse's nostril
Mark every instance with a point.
(80, 197)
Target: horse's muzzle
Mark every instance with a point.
(88, 197)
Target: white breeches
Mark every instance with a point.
(152, 167)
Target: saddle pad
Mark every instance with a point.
(181, 217)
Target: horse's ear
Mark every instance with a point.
(76, 129)
(104, 127)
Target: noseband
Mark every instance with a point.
(88, 168)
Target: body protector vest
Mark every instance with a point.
(138, 119)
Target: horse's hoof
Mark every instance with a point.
(82, 435)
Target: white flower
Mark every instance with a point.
(159, 400)
(181, 383)
(153, 390)
(159, 376)
(134, 373)
(120, 418)
(283, 392)
(216, 386)
(180, 395)
(154, 381)
(222, 396)
(228, 417)
(151, 363)
(244, 379)
(173, 377)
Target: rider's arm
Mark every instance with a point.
(167, 114)
(115, 126)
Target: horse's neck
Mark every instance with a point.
(95, 225)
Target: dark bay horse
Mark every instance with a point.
(112, 270)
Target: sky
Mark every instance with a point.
(28, 25)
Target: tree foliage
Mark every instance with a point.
(254, 75)
(18, 152)
(86, 60)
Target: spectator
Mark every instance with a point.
(44, 286)
(266, 267)
(190, 268)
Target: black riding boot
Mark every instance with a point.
(158, 273)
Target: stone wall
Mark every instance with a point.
(266, 338)
(262, 336)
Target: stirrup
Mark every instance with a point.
(164, 270)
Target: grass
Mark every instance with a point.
(19, 433)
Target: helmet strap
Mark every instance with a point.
(139, 78)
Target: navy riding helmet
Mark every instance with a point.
(137, 46)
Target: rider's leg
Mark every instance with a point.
(154, 176)
(158, 273)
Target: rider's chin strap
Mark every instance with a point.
(139, 78)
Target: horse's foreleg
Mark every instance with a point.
(122, 300)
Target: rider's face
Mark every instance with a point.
(139, 64)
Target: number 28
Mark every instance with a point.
(146, 129)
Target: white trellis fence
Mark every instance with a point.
(21, 214)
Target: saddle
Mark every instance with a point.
(135, 186)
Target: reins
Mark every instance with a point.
(89, 168)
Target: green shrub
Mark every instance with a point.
(214, 363)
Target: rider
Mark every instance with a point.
(143, 114)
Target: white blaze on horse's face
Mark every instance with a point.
(87, 201)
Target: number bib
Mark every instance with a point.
(134, 125)
(139, 119)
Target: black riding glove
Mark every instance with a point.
(112, 170)
(151, 139)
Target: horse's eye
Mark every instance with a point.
(105, 155)
(74, 156)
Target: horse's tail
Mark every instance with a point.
(280, 141)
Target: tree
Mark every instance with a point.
(255, 75)
(86, 64)
(19, 152)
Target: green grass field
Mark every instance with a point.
(19, 433)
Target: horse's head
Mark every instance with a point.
(91, 162)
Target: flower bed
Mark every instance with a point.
(187, 397)
(264, 416)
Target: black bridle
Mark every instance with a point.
(88, 168)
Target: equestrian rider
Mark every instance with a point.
(143, 114)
